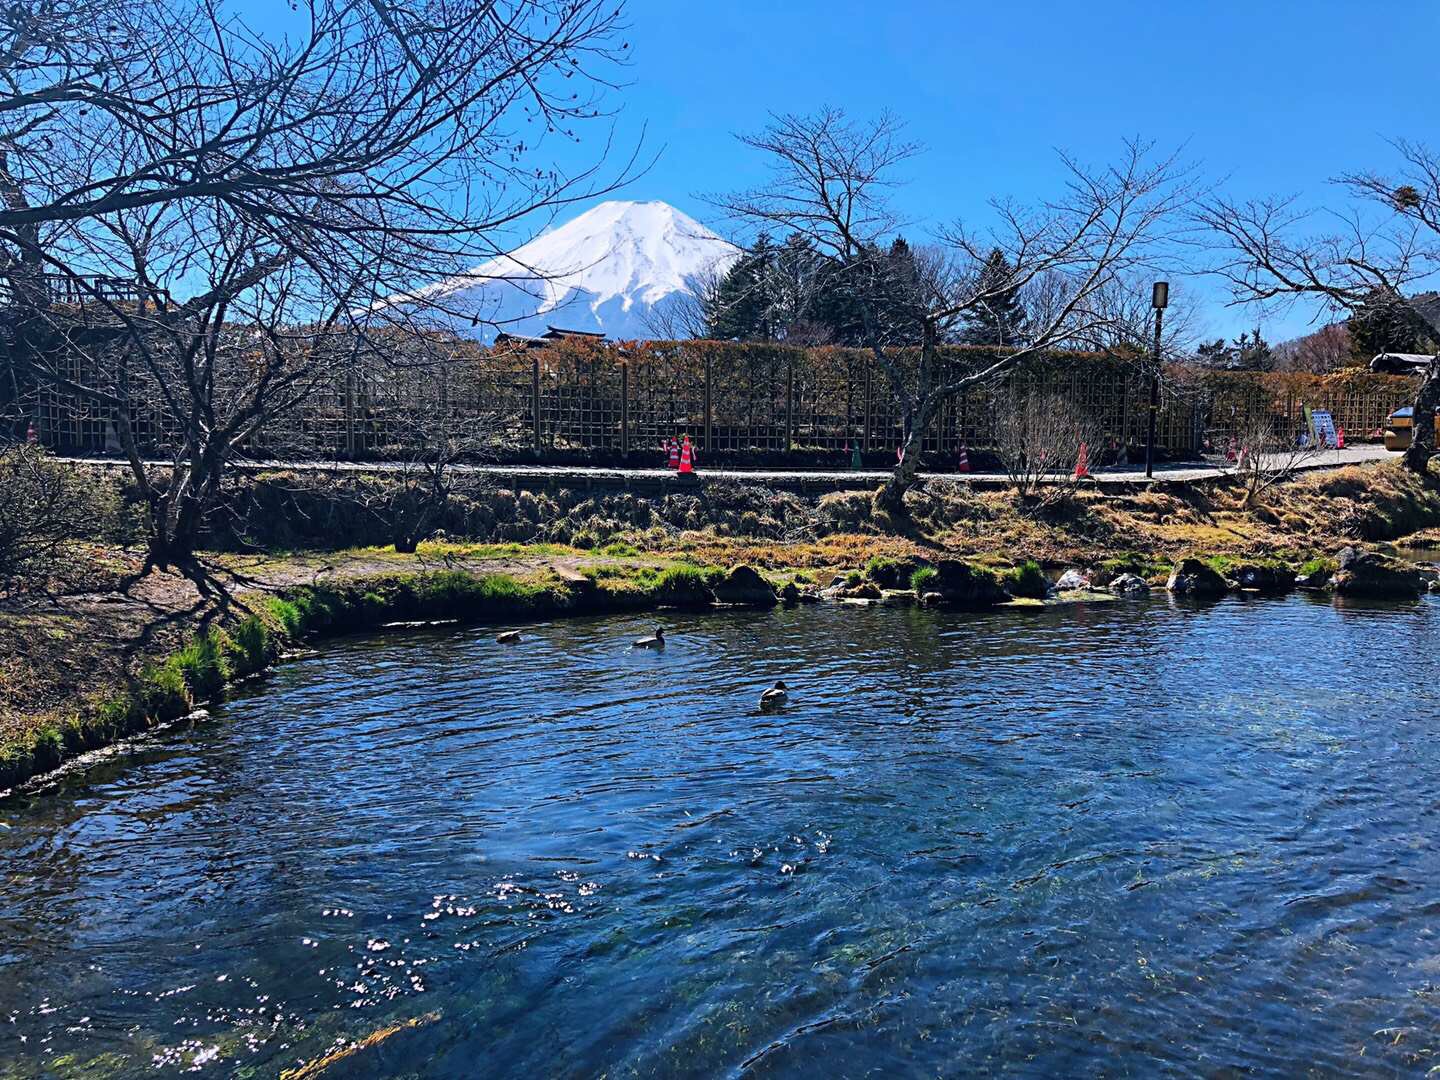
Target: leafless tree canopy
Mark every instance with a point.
(198, 215)
(1266, 456)
(831, 182)
(1327, 349)
(44, 508)
(1385, 244)
(1038, 439)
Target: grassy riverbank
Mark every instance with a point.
(84, 665)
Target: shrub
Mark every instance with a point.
(44, 507)
(287, 614)
(891, 573)
(883, 570)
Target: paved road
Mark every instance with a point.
(600, 476)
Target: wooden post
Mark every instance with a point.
(624, 407)
(709, 426)
(789, 407)
(865, 437)
(535, 399)
(350, 413)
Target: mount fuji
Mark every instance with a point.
(608, 270)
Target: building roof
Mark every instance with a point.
(1399, 363)
(554, 333)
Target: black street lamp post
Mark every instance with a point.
(1159, 297)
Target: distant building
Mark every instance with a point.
(551, 335)
(1399, 363)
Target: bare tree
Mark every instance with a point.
(1266, 456)
(429, 438)
(44, 509)
(291, 180)
(682, 315)
(831, 182)
(1123, 320)
(1038, 438)
(1384, 244)
(1326, 349)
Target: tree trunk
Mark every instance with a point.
(892, 495)
(178, 515)
(1422, 420)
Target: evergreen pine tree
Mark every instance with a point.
(1003, 320)
(903, 312)
(739, 308)
(1386, 322)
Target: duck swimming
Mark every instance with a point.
(656, 642)
(509, 637)
(775, 697)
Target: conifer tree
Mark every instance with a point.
(739, 308)
(1003, 320)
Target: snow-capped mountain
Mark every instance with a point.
(607, 270)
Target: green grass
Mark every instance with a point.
(922, 579)
(1027, 580)
(1137, 563)
(881, 568)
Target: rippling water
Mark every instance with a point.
(1121, 840)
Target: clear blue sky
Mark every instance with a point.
(1269, 96)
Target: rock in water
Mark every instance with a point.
(744, 587)
(1191, 577)
(1073, 579)
(1369, 574)
(964, 585)
(1129, 585)
(1263, 578)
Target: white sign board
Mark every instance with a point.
(1324, 425)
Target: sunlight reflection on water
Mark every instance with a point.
(1138, 837)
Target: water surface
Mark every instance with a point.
(1135, 839)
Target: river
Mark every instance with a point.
(1133, 839)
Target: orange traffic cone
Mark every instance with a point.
(674, 454)
(1340, 438)
(964, 463)
(686, 463)
(1082, 463)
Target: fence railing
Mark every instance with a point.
(739, 400)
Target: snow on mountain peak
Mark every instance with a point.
(600, 271)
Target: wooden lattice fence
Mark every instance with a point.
(734, 400)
